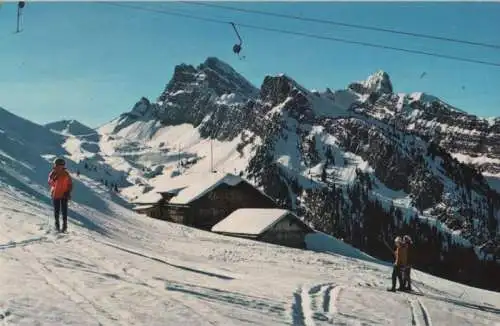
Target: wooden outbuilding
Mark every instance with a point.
(277, 226)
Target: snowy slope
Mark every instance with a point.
(26, 148)
(120, 268)
(26, 154)
(144, 147)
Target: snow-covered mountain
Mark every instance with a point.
(361, 163)
(119, 268)
(70, 127)
(468, 138)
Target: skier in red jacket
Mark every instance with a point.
(61, 186)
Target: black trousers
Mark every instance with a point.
(61, 206)
(407, 277)
(397, 273)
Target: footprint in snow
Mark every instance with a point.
(4, 315)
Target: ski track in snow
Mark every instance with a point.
(39, 268)
(87, 305)
(425, 313)
(412, 311)
(150, 288)
(214, 295)
(315, 305)
(419, 314)
(162, 261)
(334, 298)
(21, 243)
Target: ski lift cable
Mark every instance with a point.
(237, 34)
(315, 36)
(237, 47)
(337, 23)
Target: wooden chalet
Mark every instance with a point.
(277, 226)
(153, 204)
(201, 201)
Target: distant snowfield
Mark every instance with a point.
(492, 179)
(119, 268)
(474, 160)
(144, 143)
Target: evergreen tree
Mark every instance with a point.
(323, 174)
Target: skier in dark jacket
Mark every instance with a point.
(400, 262)
(408, 243)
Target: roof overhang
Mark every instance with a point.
(239, 235)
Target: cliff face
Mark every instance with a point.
(465, 136)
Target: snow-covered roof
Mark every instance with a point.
(191, 186)
(202, 185)
(174, 191)
(141, 207)
(148, 198)
(251, 221)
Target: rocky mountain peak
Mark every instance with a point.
(276, 89)
(141, 108)
(379, 83)
(184, 74)
(224, 79)
(222, 68)
(212, 76)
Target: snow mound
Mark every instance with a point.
(322, 242)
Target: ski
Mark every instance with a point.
(404, 291)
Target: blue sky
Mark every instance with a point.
(92, 61)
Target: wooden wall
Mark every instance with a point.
(158, 211)
(219, 203)
(289, 232)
